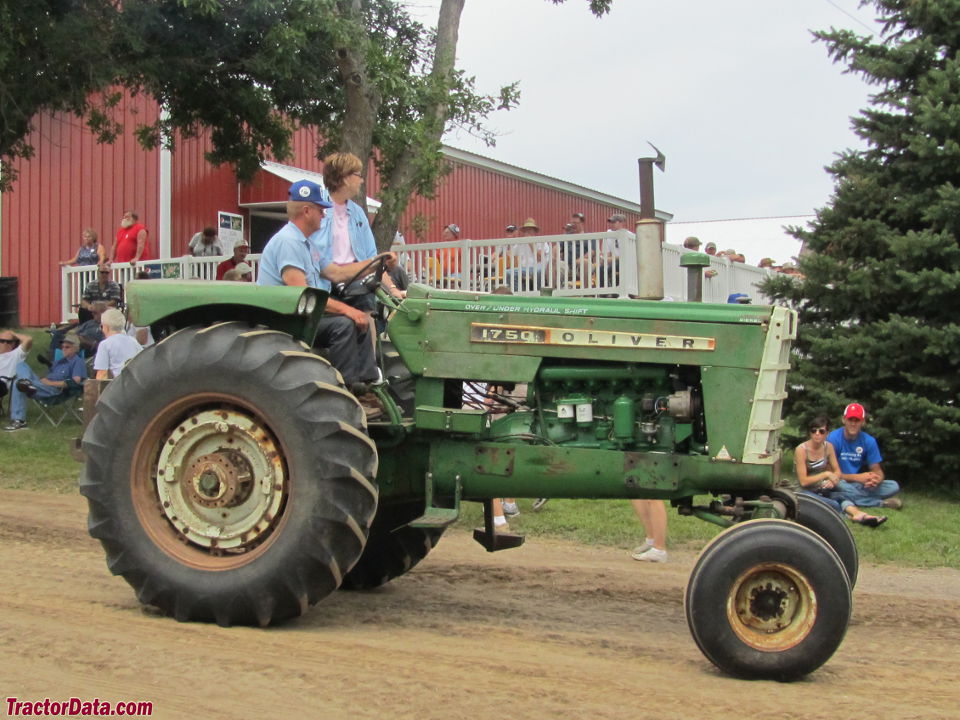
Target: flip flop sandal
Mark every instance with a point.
(873, 520)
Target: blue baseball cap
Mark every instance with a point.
(309, 191)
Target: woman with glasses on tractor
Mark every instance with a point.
(818, 472)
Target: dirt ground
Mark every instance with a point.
(550, 630)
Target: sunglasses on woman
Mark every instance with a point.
(818, 431)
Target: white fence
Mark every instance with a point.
(595, 264)
(591, 264)
(74, 279)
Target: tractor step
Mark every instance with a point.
(497, 540)
(491, 538)
(437, 517)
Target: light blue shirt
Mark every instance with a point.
(361, 238)
(289, 247)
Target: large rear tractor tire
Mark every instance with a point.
(814, 513)
(391, 551)
(768, 599)
(228, 477)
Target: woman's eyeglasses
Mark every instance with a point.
(818, 431)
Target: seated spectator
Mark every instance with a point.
(789, 268)
(578, 220)
(13, 351)
(528, 258)
(862, 480)
(240, 251)
(765, 263)
(450, 257)
(70, 367)
(206, 243)
(606, 257)
(90, 332)
(710, 248)
(117, 348)
(103, 289)
(572, 251)
(241, 273)
(398, 276)
(817, 470)
(692, 243)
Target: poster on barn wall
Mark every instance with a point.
(230, 229)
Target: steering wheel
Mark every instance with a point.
(379, 265)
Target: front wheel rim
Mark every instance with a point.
(772, 607)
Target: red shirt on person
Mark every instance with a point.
(225, 266)
(126, 245)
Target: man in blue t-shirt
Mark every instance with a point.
(862, 479)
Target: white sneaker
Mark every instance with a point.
(510, 509)
(652, 555)
(641, 549)
(539, 503)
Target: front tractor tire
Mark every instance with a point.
(816, 514)
(768, 599)
(229, 477)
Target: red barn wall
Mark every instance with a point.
(72, 183)
(483, 201)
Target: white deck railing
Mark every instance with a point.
(75, 278)
(577, 265)
(568, 265)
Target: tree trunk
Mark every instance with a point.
(397, 188)
(362, 97)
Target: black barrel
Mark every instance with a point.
(9, 302)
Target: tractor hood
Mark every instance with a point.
(457, 334)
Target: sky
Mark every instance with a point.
(746, 107)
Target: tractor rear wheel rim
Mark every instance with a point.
(209, 482)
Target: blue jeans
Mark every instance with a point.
(519, 279)
(18, 401)
(828, 500)
(848, 493)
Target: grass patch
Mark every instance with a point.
(38, 458)
(600, 522)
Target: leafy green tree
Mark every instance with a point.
(878, 300)
(53, 54)
(249, 71)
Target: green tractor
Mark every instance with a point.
(231, 477)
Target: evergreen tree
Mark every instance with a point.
(879, 298)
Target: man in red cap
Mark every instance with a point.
(862, 480)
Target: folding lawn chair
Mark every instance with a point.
(58, 408)
(5, 383)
